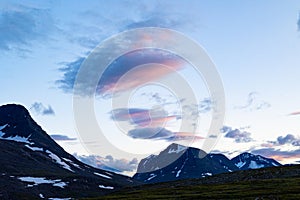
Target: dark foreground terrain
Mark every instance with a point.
(269, 183)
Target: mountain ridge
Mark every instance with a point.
(179, 162)
(34, 165)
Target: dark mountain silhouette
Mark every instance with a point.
(246, 161)
(179, 162)
(33, 165)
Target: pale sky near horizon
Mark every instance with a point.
(255, 46)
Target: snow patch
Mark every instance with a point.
(42, 180)
(178, 173)
(15, 138)
(106, 187)
(149, 157)
(151, 177)
(207, 174)
(34, 148)
(60, 184)
(59, 161)
(41, 196)
(36, 180)
(72, 163)
(262, 159)
(254, 165)
(145, 162)
(240, 164)
(178, 149)
(102, 175)
(3, 127)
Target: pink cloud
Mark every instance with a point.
(141, 75)
(143, 117)
(188, 136)
(295, 113)
(138, 67)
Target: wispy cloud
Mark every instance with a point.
(69, 71)
(142, 117)
(254, 103)
(40, 109)
(20, 26)
(295, 113)
(298, 23)
(159, 133)
(158, 19)
(238, 135)
(109, 163)
(277, 154)
(59, 137)
(206, 105)
(96, 24)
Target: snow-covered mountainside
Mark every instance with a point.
(180, 162)
(34, 165)
(246, 161)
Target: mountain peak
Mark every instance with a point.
(181, 162)
(17, 125)
(246, 161)
(30, 157)
(17, 121)
(176, 148)
(10, 111)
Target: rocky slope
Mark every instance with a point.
(34, 166)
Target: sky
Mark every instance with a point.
(254, 46)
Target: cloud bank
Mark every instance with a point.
(109, 163)
(59, 137)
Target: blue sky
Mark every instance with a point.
(255, 46)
